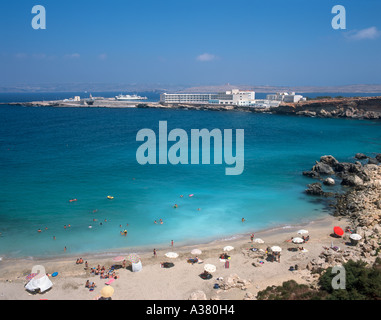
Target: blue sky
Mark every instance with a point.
(272, 42)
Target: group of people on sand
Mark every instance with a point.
(224, 256)
(90, 285)
(79, 261)
(103, 273)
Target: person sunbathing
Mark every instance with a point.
(193, 260)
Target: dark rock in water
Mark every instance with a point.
(360, 156)
(311, 174)
(378, 157)
(316, 189)
(344, 169)
(322, 168)
(352, 180)
(329, 160)
(372, 161)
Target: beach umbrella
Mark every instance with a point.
(107, 291)
(276, 249)
(196, 251)
(297, 240)
(302, 231)
(133, 257)
(228, 248)
(118, 259)
(338, 231)
(355, 236)
(171, 255)
(258, 240)
(210, 268)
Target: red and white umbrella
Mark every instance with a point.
(118, 259)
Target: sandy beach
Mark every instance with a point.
(180, 281)
(249, 270)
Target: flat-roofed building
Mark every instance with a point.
(231, 97)
(185, 97)
(285, 97)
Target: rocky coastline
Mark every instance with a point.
(353, 108)
(358, 201)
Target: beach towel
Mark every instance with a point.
(110, 281)
(226, 264)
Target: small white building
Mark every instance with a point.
(285, 97)
(234, 97)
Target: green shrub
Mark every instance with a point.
(361, 283)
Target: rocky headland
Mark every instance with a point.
(356, 108)
(358, 200)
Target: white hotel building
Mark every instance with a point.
(232, 97)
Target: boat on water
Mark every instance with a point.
(124, 97)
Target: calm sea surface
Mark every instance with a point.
(51, 155)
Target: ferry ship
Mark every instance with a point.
(123, 97)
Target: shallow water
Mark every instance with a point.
(51, 155)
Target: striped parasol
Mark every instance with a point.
(118, 259)
(133, 257)
(30, 276)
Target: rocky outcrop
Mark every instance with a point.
(355, 108)
(350, 174)
(233, 281)
(315, 189)
(197, 295)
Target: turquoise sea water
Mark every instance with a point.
(51, 155)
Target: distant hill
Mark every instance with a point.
(358, 88)
(134, 87)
